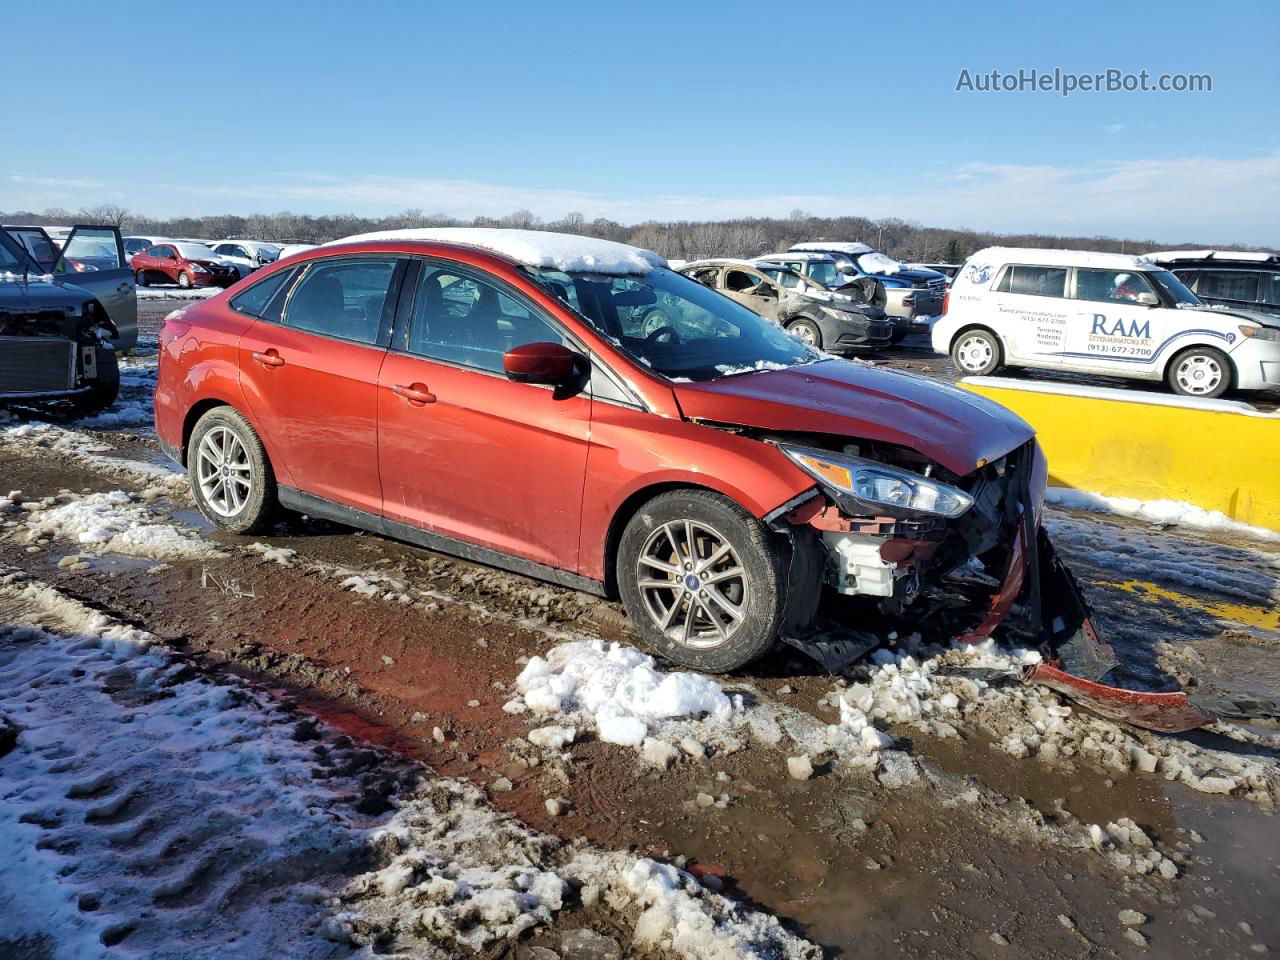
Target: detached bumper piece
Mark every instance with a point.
(1079, 661)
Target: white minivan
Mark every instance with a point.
(1101, 313)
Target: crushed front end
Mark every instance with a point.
(899, 543)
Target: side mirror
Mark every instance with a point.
(548, 363)
(844, 266)
(1148, 299)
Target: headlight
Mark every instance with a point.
(1271, 334)
(198, 269)
(875, 483)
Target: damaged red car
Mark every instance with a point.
(573, 410)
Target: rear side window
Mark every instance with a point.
(344, 298)
(254, 301)
(1034, 281)
(1270, 292)
(1229, 284)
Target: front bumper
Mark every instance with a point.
(1257, 364)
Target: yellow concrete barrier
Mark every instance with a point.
(1217, 454)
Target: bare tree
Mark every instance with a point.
(107, 213)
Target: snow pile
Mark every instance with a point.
(116, 522)
(1170, 512)
(617, 691)
(876, 262)
(535, 248)
(76, 445)
(733, 370)
(281, 555)
(177, 293)
(679, 915)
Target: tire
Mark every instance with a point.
(977, 353)
(224, 446)
(1199, 372)
(757, 591)
(806, 331)
(140, 277)
(104, 390)
(898, 336)
(184, 280)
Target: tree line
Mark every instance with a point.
(682, 239)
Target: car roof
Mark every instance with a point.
(1063, 258)
(1234, 256)
(542, 249)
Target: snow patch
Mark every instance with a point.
(116, 522)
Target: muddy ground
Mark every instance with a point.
(864, 867)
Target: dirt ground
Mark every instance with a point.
(864, 867)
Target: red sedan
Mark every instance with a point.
(186, 264)
(573, 410)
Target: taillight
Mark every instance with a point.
(946, 302)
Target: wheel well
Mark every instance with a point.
(629, 508)
(197, 411)
(1175, 355)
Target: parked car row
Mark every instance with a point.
(191, 262)
(1115, 315)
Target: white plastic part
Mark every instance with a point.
(856, 567)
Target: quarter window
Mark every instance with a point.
(461, 319)
(1229, 284)
(254, 300)
(1270, 292)
(1115, 286)
(1034, 281)
(343, 298)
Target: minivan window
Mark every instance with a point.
(1034, 281)
(1229, 284)
(343, 298)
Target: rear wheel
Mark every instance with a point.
(976, 353)
(806, 331)
(184, 280)
(230, 475)
(702, 579)
(1200, 372)
(140, 277)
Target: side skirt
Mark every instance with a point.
(319, 507)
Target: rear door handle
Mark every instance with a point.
(269, 359)
(415, 393)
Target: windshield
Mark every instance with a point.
(1174, 288)
(195, 251)
(675, 325)
(13, 257)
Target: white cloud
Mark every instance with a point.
(1114, 127)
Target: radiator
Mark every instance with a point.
(36, 365)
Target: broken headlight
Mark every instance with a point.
(879, 485)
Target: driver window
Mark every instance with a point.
(1114, 286)
(739, 281)
(458, 318)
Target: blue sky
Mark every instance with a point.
(638, 111)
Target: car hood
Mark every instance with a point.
(950, 426)
(1257, 316)
(38, 294)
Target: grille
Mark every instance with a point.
(36, 365)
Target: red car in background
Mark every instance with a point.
(186, 264)
(508, 396)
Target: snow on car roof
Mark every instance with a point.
(822, 246)
(806, 255)
(1259, 256)
(534, 248)
(1062, 258)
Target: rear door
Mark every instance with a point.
(466, 453)
(1032, 314)
(311, 379)
(93, 259)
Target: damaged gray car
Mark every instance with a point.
(830, 321)
(55, 338)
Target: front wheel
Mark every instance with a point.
(1200, 372)
(806, 331)
(231, 478)
(184, 280)
(702, 579)
(976, 353)
(105, 388)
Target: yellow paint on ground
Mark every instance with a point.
(1245, 614)
(1221, 460)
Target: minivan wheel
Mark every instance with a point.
(806, 331)
(702, 580)
(231, 479)
(976, 353)
(1200, 372)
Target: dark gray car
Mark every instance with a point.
(55, 337)
(1228, 278)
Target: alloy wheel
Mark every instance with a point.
(692, 583)
(805, 334)
(1198, 374)
(223, 471)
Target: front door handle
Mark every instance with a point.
(269, 359)
(416, 393)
